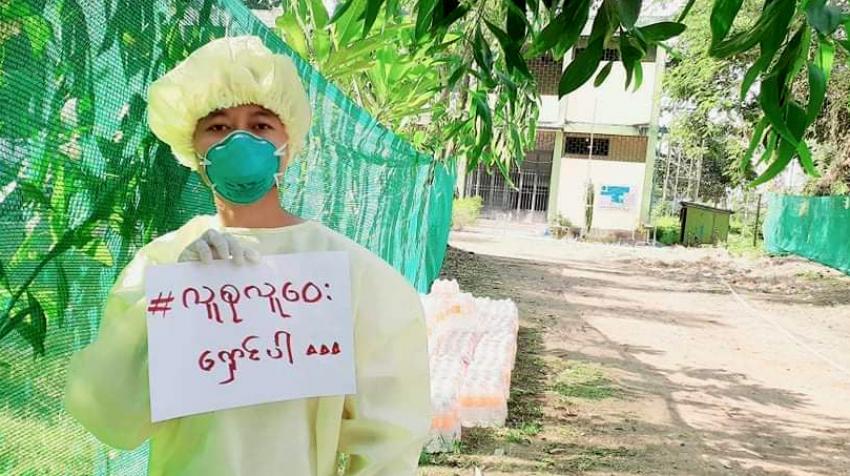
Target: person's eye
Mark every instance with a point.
(262, 126)
(217, 128)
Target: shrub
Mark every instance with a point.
(668, 229)
(465, 211)
(736, 226)
(561, 226)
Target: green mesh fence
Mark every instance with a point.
(817, 228)
(83, 184)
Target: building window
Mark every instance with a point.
(609, 54)
(581, 146)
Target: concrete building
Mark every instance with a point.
(599, 138)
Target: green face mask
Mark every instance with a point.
(242, 167)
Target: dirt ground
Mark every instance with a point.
(641, 360)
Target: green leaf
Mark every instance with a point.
(340, 10)
(424, 17)
(346, 27)
(769, 147)
(321, 46)
(15, 10)
(38, 32)
(638, 72)
(773, 15)
(359, 51)
(824, 17)
(319, 13)
(723, 13)
(797, 57)
(510, 86)
(63, 288)
(446, 13)
(777, 166)
(797, 124)
(59, 216)
(770, 104)
(603, 73)
(791, 58)
(97, 249)
(293, 34)
(755, 70)
(3, 278)
(629, 11)
(534, 8)
(819, 73)
(661, 31)
(34, 327)
(769, 45)
(755, 140)
(605, 23)
(482, 55)
(485, 116)
(631, 53)
(513, 58)
(456, 75)
(515, 23)
(581, 68)
(9, 322)
(373, 7)
(563, 31)
(33, 194)
(685, 10)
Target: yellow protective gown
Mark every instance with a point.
(382, 427)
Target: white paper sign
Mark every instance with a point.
(224, 336)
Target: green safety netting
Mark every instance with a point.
(83, 184)
(817, 228)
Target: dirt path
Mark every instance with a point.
(662, 361)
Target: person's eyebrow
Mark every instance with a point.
(264, 113)
(214, 115)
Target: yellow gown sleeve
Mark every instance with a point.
(107, 387)
(385, 424)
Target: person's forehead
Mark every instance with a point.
(251, 110)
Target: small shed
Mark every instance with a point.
(702, 224)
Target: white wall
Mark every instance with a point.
(573, 177)
(550, 110)
(615, 104)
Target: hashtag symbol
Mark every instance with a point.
(161, 304)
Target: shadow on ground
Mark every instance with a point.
(552, 431)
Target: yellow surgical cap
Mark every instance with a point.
(224, 73)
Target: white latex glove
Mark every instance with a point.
(216, 245)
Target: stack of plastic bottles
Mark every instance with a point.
(472, 344)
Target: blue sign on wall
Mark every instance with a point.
(616, 196)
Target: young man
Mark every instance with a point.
(236, 113)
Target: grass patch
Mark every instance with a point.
(444, 458)
(741, 244)
(465, 211)
(523, 434)
(596, 458)
(528, 380)
(584, 381)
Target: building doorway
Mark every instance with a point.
(528, 202)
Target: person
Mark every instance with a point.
(237, 113)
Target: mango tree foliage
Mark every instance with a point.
(452, 95)
(789, 39)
